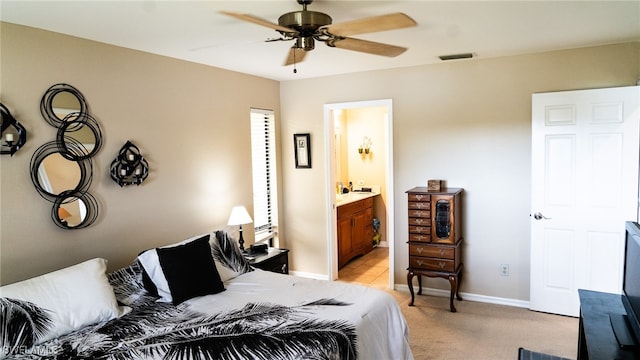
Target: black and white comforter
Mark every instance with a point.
(260, 315)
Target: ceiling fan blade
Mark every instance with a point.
(372, 24)
(296, 55)
(259, 21)
(369, 47)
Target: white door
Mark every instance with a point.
(584, 187)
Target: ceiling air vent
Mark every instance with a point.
(456, 56)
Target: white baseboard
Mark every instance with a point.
(468, 296)
(436, 292)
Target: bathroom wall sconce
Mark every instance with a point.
(13, 134)
(365, 146)
(129, 167)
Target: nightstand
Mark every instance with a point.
(275, 260)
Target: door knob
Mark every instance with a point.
(539, 216)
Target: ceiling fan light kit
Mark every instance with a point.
(306, 27)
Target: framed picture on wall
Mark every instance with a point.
(302, 146)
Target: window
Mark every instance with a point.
(263, 159)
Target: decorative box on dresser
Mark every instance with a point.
(435, 238)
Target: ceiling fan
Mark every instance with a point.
(306, 27)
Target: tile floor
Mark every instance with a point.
(371, 269)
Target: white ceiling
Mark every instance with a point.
(197, 32)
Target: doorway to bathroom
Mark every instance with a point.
(359, 154)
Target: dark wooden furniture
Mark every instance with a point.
(355, 229)
(276, 260)
(596, 339)
(524, 354)
(435, 238)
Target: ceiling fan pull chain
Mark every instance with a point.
(295, 71)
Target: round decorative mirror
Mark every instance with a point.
(61, 170)
(59, 101)
(74, 211)
(53, 173)
(79, 138)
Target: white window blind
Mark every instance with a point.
(264, 172)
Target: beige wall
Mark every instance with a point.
(468, 122)
(190, 121)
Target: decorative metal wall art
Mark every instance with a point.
(13, 135)
(54, 172)
(72, 210)
(79, 136)
(59, 101)
(129, 167)
(62, 170)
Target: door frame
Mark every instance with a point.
(332, 235)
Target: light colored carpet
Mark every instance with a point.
(477, 331)
(483, 331)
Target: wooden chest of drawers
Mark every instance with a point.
(435, 237)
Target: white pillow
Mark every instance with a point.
(74, 297)
(151, 264)
(225, 273)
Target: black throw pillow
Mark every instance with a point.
(190, 270)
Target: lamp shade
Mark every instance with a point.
(239, 216)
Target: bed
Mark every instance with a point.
(196, 299)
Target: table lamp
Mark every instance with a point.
(239, 216)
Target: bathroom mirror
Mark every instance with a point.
(52, 173)
(61, 100)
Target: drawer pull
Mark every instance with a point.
(419, 197)
(419, 221)
(420, 250)
(441, 252)
(418, 229)
(420, 262)
(419, 205)
(442, 264)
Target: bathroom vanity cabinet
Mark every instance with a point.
(355, 229)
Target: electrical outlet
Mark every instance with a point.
(504, 269)
(360, 182)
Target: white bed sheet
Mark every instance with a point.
(381, 329)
